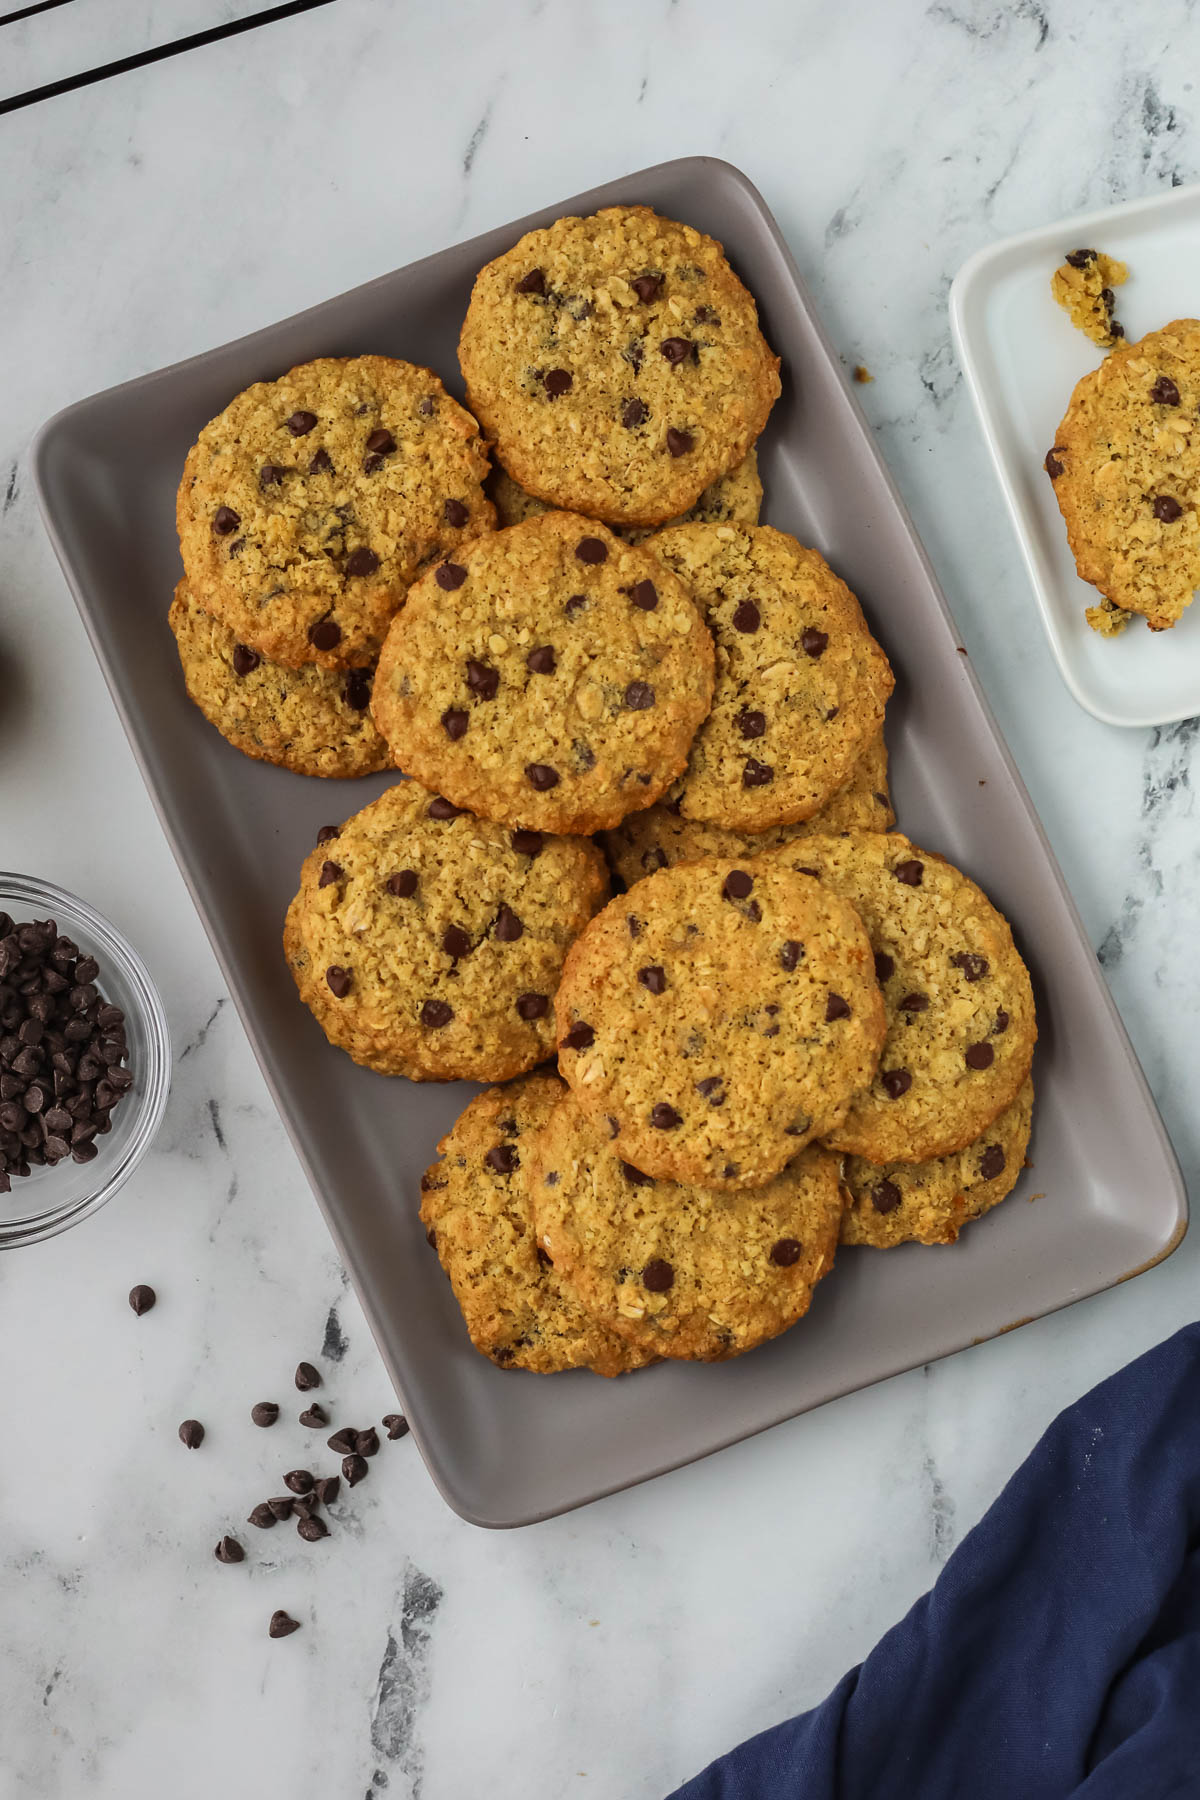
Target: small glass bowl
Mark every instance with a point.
(48, 1200)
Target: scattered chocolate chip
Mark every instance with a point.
(790, 954)
(245, 660)
(337, 980)
(533, 283)
(299, 1481)
(885, 1196)
(1165, 392)
(579, 1037)
(785, 1252)
(909, 872)
(664, 1117)
(282, 1625)
(508, 926)
(281, 1507)
(644, 594)
(647, 287)
(658, 1276)
(973, 967)
(455, 722)
(191, 1434)
(301, 423)
(533, 1006)
(979, 1056)
(757, 774)
(591, 550)
(366, 1443)
(541, 776)
(556, 382)
(264, 1412)
(313, 1417)
(325, 634)
(321, 464)
(639, 696)
(836, 1008)
(435, 1014)
(541, 660)
(751, 724)
(263, 1517)
(653, 977)
(814, 643)
(141, 1298)
(441, 808)
(307, 1377)
(746, 616)
(396, 1425)
(342, 1442)
(225, 520)
(737, 885)
(229, 1551)
(1079, 259)
(327, 1488)
(679, 442)
(677, 349)
(310, 1528)
(354, 1469)
(1167, 509)
(895, 1082)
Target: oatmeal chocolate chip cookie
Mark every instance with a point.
(310, 504)
(681, 1271)
(718, 1017)
(930, 1202)
(475, 1206)
(661, 836)
(1125, 464)
(1083, 287)
(428, 943)
(735, 496)
(617, 364)
(801, 684)
(313, 721)
(550, 676)
(960, 1019)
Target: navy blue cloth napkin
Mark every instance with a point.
(1059, 1652)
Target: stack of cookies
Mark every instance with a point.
(791, 1028)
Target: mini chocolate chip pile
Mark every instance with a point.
(63, 1051)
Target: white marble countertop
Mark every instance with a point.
(611, 1652)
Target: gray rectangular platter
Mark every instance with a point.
(507, 1448)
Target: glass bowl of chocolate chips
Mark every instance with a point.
(85, 1060)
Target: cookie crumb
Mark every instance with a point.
(1083, 286)
(1107, 619)
(862, 373)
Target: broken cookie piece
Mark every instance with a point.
(1083, 287)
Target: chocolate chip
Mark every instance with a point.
(979, 1056)
(635, 1176)
(307, 1377)
(579, 1037)
(311, 1529)
(396, 1425)
(427, 406)
(325, 635)
(503, 1159)
(326, 1489)
(533, 283)
(528, 843)
(225, 520)
(814, 643)
(330, 872)
(1001, 1024)
(508, 926)
(751, 724)
(301, 423)
(757, 774)
(785, 1252)
(634, 413)
(658, 1276)
(895, 1082)
(441, 808)
(639, 696)
(712, 1088)
(342, 1442)
(142, 1298)
(541, 660)
(381, 442)
(644, 594)
(338, 981)
(366, 1443)
(836, 1008)
(910, 872)
(357, 691)
(229, 1551)
(245, 660)
(269, 476)
(313, 1417)
(591, 550)
(264, 1412)
(973, 967)
(354, 1468)
(541, 776)
(737, 885)
(653, 977)
(456, 942)
(1167, 509)
(885, 1196)
(575, 604)
(1165, 393)
(677, 349)
(299, 1481)
(746, 616)
(361, 561)
(664, 1117)
(455, 722)
(482, 679)
(556, 382)
(679, 442)
(327, 833)
(914, 1003)
(455, 513)
(191, 1434)
(435, 1014)
(403, 884)
(533, 1006)
(263, 1517)
(449, 576)
(282, 1625)
(790, 954)
(1079, 259)
(647, 287)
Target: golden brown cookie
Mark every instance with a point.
(1083, 287)
(551, 676)
(429, 943)
(311, 503)
(676, 1270)
(930, 1202)
(801, 684)
(476, 1209)
(313, 721)
(1125, 464)
(960, 1018)
(661, 836)
(736, 495)
(720, 1016)
(617, 364)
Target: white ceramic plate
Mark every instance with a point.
(1021, 357)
